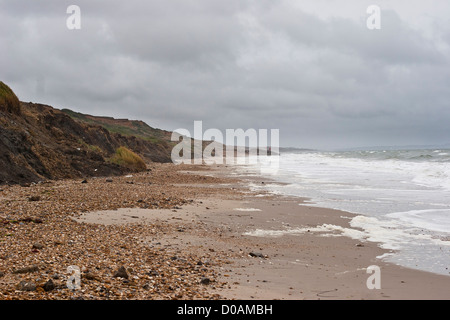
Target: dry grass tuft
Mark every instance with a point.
(8, 99)
(126, 157)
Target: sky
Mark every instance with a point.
(312, 69)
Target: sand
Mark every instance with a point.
(280, 248)
(192, 223)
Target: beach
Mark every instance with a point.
(188, 232)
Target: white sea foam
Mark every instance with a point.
(431, 219)
(402, 198)
(325, 230)
(390, 234)
(246, 209)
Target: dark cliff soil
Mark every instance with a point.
(40, 143)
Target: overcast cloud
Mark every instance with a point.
(309, 68)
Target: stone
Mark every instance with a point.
(31, 219)
(205, 280)
(84, 181)
(38, 246)
(26, 270)
(49, 285)
(121, 272)
(90, 276)
(26, 286)
(256, 254)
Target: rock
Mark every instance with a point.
(31, 219)
(256, 254)
(34, 198)
(359, 245)
(84, 181)
(90, 276)
(38, 246)
(109, 180)
(205, 281)
(37, 220)
(2, 274)
(49, 285)
(26, 286)
(26, 270)
(121, 272)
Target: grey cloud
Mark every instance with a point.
(234, 64)
(394, 43)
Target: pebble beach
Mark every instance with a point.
(188, 233)
(40, 238)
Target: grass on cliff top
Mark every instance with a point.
(127, 128)
(8, 99)
(126, 157)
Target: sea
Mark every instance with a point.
(401, 198)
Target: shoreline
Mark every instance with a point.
(319, 263)
(188, 232)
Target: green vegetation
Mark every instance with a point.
(8, 99)
(125, 127)
(126, 157)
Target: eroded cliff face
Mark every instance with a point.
(40, 142)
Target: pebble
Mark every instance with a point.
(257, 255)
(121, 272)
(50, 225)
(26, 286)
(26, 270)
(38, 246)
(49, 285)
